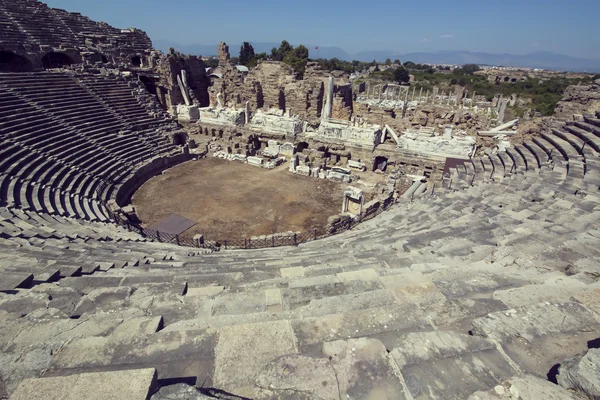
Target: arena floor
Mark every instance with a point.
(230, 200)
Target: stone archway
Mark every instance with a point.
(380, 163)
(56, 60)
(11, 62)
(136, 61)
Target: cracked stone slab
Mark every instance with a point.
(243, 350)
(298, 376)
(364, 369)
(539, 336)
(525, 387)
(449, 365)
(134, 384)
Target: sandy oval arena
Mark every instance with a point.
(230, 200)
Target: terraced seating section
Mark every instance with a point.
(33, 22)
(439, 298)
(65, 149)
(570, 153)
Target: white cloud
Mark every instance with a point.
(535, 44)
(447, 36)
(425, 40)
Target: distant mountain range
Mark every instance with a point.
(538, 59)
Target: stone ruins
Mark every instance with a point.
(479, 281)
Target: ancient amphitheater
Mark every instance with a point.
(483, 285)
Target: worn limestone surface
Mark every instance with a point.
(581, 374)
(525, 388)
(131, 384)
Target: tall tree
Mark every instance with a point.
(297, 59)
(401, 75)
(278, 54)
(246, 54)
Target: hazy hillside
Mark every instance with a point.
(539, 59)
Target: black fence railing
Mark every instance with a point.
(273, 240)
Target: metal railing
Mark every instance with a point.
(274, 240)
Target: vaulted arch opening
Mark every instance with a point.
(56, 60)
(11, 62)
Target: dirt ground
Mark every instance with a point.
(230, 200)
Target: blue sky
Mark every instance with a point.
(508, 26)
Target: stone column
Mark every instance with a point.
(246, 113)
(427, 97)
(413, 93)
(502, 111)
(421, 95)
(405, 105)
(183, 89)
(328, 101)
(448, 99)
(473, 100)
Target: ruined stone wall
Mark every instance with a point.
(578, 100)
(273, 84)
(169, 67)
(33, 30)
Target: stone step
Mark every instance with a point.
(134, 384)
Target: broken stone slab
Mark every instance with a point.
(134, 384)
(357, 165)
(449, 365)
(243, 350)
(102, 297)
(187, 113)
(355, 369)
(258, 161)
(582, 374)
(298, 375)
(525, 387)
(181, 391)
(303, 170)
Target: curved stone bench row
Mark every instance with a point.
(28, 195)
(571, 153)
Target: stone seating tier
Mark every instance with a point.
(60, 141)
(33, 22)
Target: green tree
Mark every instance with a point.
(278, 54)
(246, 54)
(388, 61)
(462, 82)
(297, 59)
(397, 61)
(453, 81)
(470, 68)
(401, 75)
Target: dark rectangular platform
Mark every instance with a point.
(174, 224)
